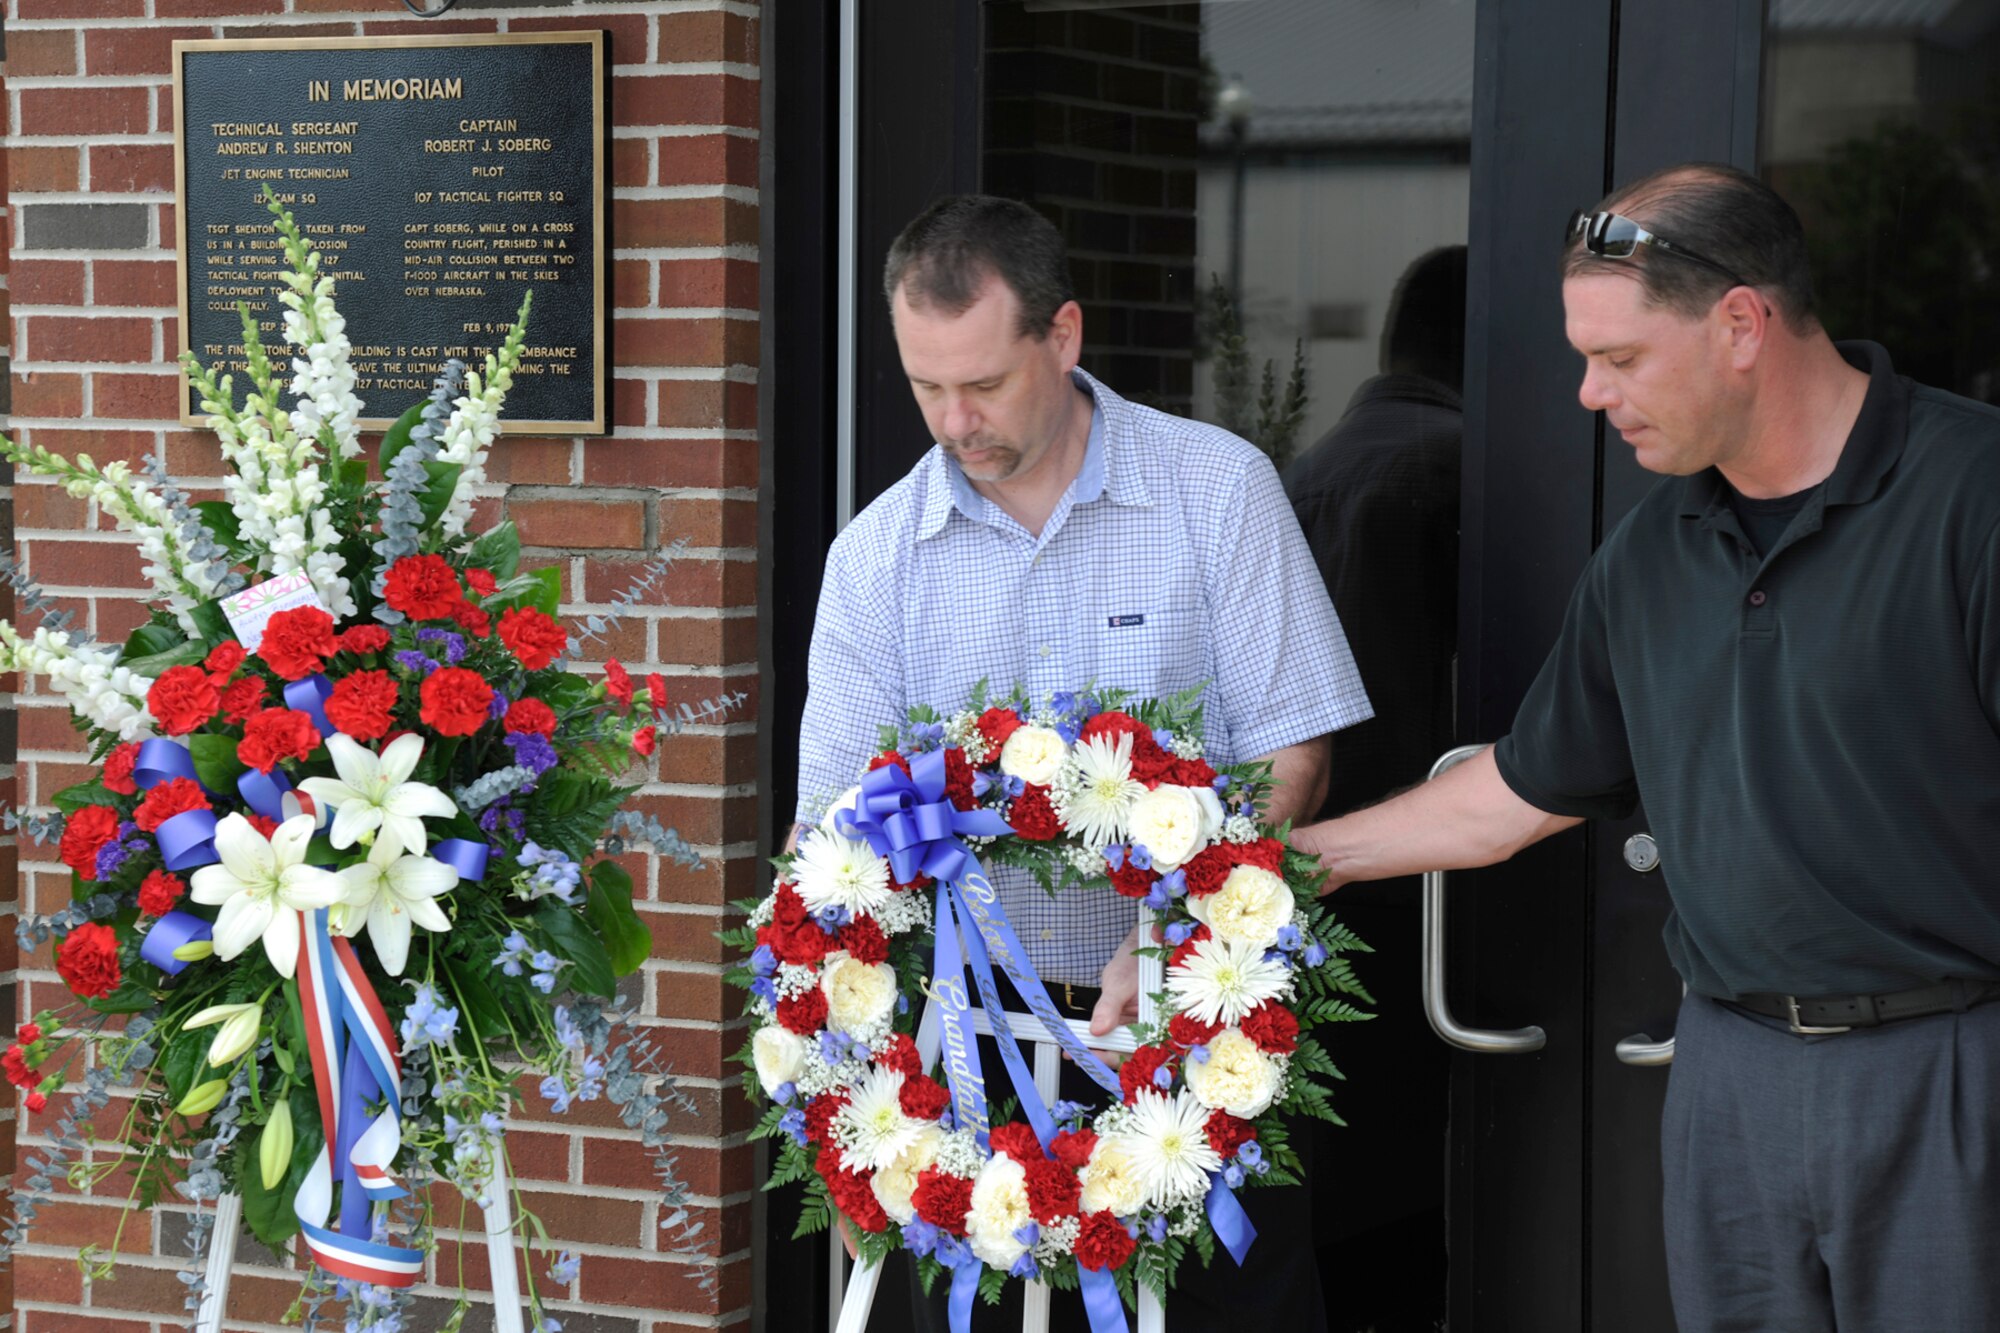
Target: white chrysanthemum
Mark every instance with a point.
(1033, 754)
(1111, 1181)
(999, 1209)
(1173, 823)
(1249, 909)
(780, 1057)
(859, 996)
(896, 1182)
(1220, 982)
(1236, 1077)
(1169, 1149)
(871, 1129)
(832, 871)
(1094, 796)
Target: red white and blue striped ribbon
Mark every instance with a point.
(354, 1059)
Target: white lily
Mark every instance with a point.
(374, 793)
(390, 892)
(262, 886)
(240, 1023)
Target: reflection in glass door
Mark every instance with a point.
(1266, 206)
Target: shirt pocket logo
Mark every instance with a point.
(1123, 622)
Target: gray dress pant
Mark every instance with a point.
(1824, 1183)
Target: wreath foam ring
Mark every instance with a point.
(1089, 793)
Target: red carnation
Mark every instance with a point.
(482, 581)
(85, 834)
(36, 1102)
(1265, 854)
(923, 1097)
(1073, 1147)
(1150, 764)
(362, 704)
(1102, 1243)
(15, 1062)
(1133, 882)
(1031, 815)
(942, 1199)
(656, 692)
(1227, 1133)
(1137, 1071)
(901, 1055)
(531, 715)
(455, 701)
(223, 659)
(28, 1033)
(264, 824)
(1186, 946)
(364, 639)
(88, 961)
(1206, 870)
(887, 759)
(644, 740)
(787, 908)
(160, 892)
(175, 796)
(118, 767)
(802, 945)
(275, 734)
(618, 683)
(533, 637)
(804, 1013)
(182, 699)
(1114, 724)
(854, 1196)
(863, 938)
(820, 1112)
(1193, 773)
(422, 587)
(1186, 1030)
(1052, 1191)
(958, 779)
(996, 725)
(472, 619)
(297, 642)
(1273, 1027)
(242, 698)
(1017, 1140)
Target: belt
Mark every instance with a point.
(1843, 1013)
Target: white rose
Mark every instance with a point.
(999, 1209)
(895, 1183)
(858, 995)
(780, 1057)
(1033, 754)
(846, 802)
(1168, 821)
(1110, 1181)
(1249, 909)
(1213, 817)
(1236, 1077)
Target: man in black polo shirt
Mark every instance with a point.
(1791, 650)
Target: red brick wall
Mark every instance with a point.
(89, 166)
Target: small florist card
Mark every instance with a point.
(249, 610)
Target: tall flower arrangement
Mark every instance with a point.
(336, 881)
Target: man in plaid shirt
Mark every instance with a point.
(1059, 537)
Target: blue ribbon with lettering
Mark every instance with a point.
(959, 1049)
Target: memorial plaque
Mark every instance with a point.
(440, 177)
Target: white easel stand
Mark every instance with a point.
(499, 1211)
(849, 1300)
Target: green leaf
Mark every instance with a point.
(483, 1009)
(215, 762)
(568, 937)
(437, 492)
(397, 437)
(185, 653)
(269, 1213)
(609, 910)
(498, 549)
(220, 519)
(208, 618)
(150, 638)
(72, 799)
(546, 596)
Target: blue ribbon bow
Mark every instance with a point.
(905, 817)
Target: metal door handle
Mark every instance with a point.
(1643, 855)
(1520, 1041)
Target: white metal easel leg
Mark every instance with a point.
(221, 1259)
(498, 1207)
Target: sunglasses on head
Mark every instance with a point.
(1614, 236)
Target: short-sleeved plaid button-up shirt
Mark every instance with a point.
(1172, 559)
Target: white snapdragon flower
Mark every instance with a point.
(109, 696)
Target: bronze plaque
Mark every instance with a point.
(440, 177)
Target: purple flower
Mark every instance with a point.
(919, 1236)
(498, 708)
(532, 751)
(454, 645)
(414, 662)
(793, 1122)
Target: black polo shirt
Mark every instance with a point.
(1815, 731)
